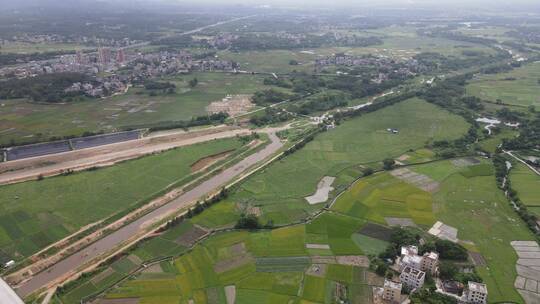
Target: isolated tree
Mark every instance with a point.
(388, 164)
(193, 82)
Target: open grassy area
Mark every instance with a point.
(518, 87)
(23, 120)
(280, 189)
(37, 213)
(527, 185)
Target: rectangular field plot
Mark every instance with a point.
(382, 196)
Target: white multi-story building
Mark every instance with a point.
(476, 293)
(412, 278)
(430, 262)
(392, 292)
(413, 261)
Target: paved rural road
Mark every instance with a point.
(71, 263)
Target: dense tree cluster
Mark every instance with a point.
(47, 87)
(322, 102)
(270, 116)
(270, 96)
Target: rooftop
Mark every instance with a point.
(392, 284)
(415, 272)
(409, 250)
(412, 259)
(478, 287)
(432, 255)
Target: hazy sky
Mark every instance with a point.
(456, 4)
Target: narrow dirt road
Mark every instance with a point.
(48, 165)
(72, 263)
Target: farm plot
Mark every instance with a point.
(527, 185)
(37, 213)
(518, 87)
(381, 196)
(280, 189)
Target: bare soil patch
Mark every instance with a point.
(318, 246)
(418, 180)
(238, 249)
(323, 260)
(233, 105)
(376, 231)
(208, 161)
(399, 222)
(465, 162)
(323, 189)
(477, 259)
(230, 293)
(191, 236)
(233, 263)
(318, 270)
(444, 232)
(353, 260)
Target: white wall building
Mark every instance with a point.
(476, 293)
(392, 291)
(412, 278)
(430, 262)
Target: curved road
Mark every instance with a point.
(70, 264)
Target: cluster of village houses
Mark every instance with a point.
(413, 269)
(113, 71)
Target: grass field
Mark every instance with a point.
(23, 120)
(279, 191)
(37, 213)
(527, 185)
(518, 87)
